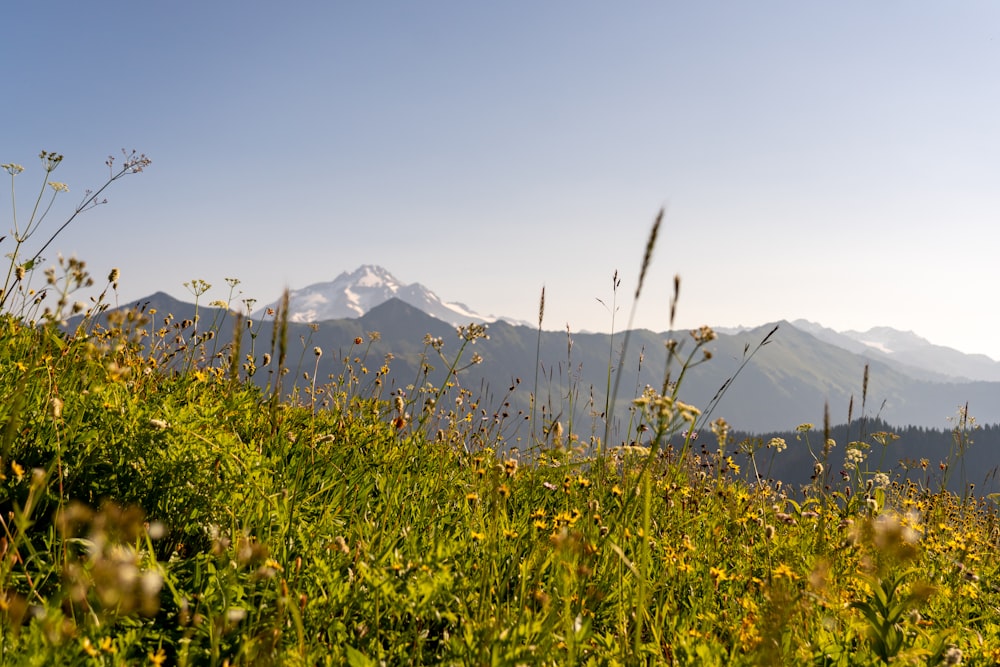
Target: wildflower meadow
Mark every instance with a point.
(159, 506)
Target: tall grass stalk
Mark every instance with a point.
(647, 259)
(538, 364)
(615, 284)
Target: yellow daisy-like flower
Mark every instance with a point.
(719, 575)
(478, 537)
(783, 571)
(158, 658)
(89, 648)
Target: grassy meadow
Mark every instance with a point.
(159, 507)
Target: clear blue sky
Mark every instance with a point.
(832, 161)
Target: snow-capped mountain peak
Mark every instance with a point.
(353, 294)
(369, 275)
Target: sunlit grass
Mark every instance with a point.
(158, 507)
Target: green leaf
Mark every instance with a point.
(356, 658)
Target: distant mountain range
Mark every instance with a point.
(912, 383)
(908, 352)
(351, 295)
(787, 382)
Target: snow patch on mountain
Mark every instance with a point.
(874, 344)
(909, 353)
(351, 295)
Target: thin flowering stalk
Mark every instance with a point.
(615, 283)
(318, 352)
(714, 403)
(468, 334)
(647, 258)
(50, 161)
(133, 164)
(20, 237)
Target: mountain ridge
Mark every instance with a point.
(786, 382)
(352, 294)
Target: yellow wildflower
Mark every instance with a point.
(784, 571)
(718, 574)
(89, 648)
